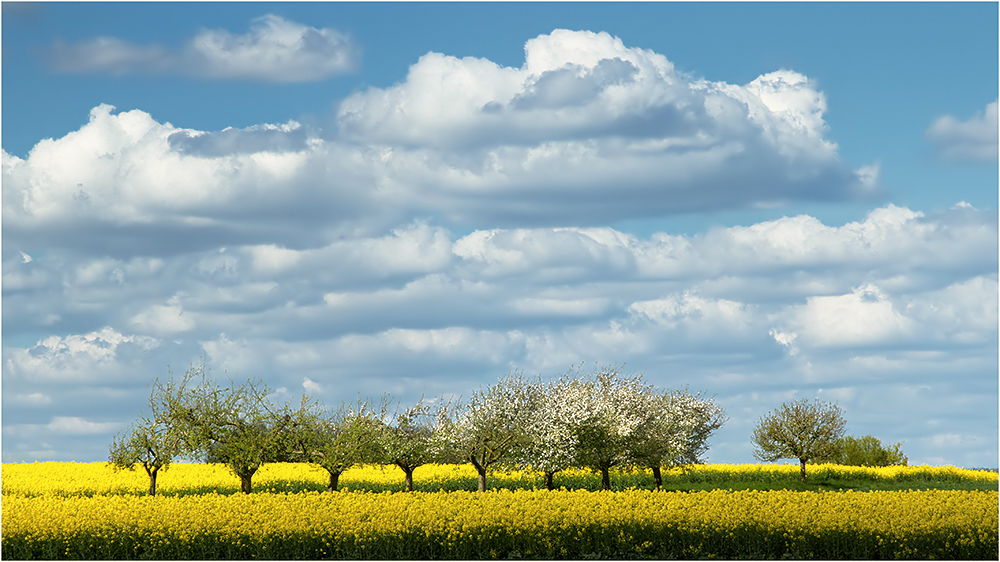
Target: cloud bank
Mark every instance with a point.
(274, 50)
(792, 307)
(585, 133)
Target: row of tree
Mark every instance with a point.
(602, 420)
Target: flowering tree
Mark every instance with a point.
(676, 430)
(615, 409)
(550, 444)
(493, 425)
(147, 443)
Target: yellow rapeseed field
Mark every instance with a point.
(87, 510)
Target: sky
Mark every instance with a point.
(761, 202)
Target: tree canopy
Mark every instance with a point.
(800, 430)
(602, 420)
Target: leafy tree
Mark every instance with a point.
(148, 443)
(676, 431)
(868, 451)
(493, 425)
(340, 439)
(799, 430)
(234, 425)
(415, 439)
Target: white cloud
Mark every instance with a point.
(163, 320)
(581, 114)
(311, 386)
(75, 357)
(864, 317)
(78, 426)
(492, 146)
(974, 139)
(274, 50)
(33, 399)
(121, 178)
(789, 304)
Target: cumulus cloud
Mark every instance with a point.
(142, 187)
(274, 50)
(76, 357)
(584, 112)
(971, 140)
(865, 317)
(587, 131)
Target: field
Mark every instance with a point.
(89, 511)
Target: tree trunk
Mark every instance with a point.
(656, 477)
(334, 479)
(408, 472)
(151, 471)
(245, 482)
(802, 469)
(481, 470)
(548, 479)
(605, 477)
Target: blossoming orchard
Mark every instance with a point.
(597, 421)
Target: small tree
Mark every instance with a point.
(799, 430)
(492, 425)
(233, 425)
(340, 439)
(150, 442)
(414, 439)
(868, 451)
(147, 443)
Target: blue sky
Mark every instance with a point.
(761, 201)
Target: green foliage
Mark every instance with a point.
(799, 430)
(234, 425)
(147, 443)
(867, 451)
(150, 442)
(416, 438)
(339, 439)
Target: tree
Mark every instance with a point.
(616, 408)
(492, 425)
(799, 430)
(676, 432)
(868, 451)
(148, 443)
(415, 439)
(550, 444)
(233, 425)
(339, 439)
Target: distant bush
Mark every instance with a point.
(867, 451)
